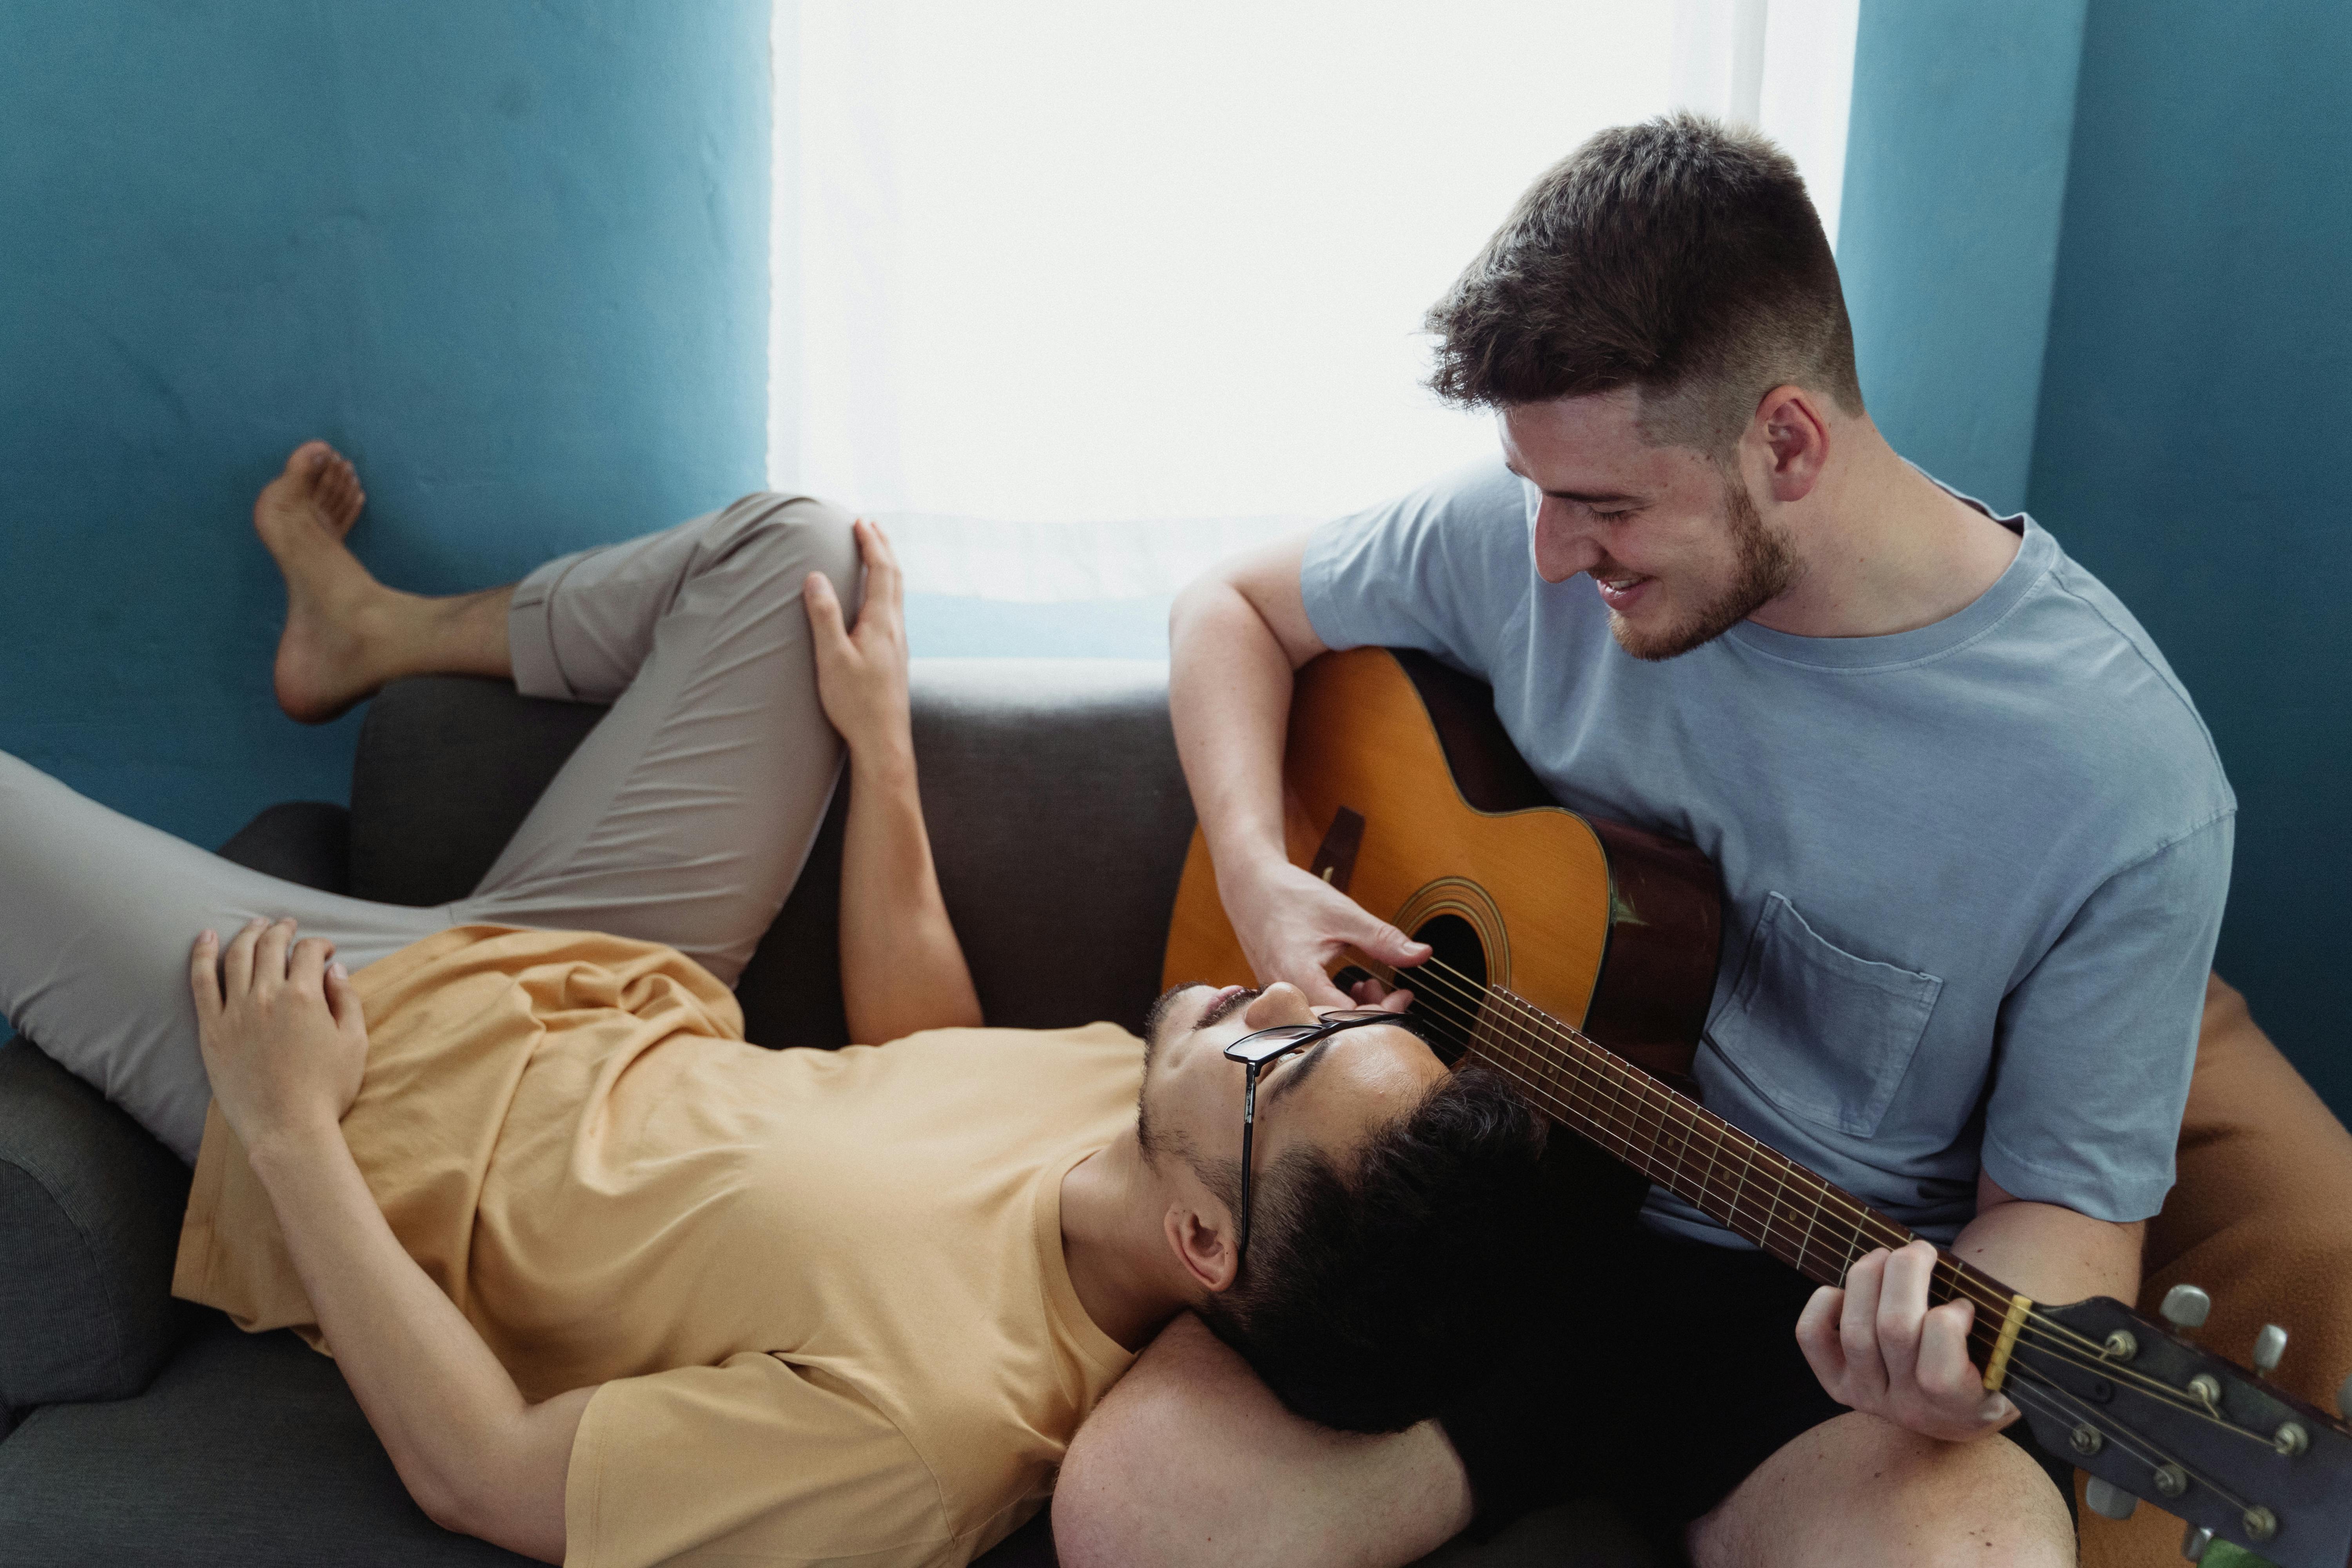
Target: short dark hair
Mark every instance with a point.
(1369, 1297)
(1679, 257)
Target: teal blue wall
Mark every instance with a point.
(2097, 255)
(2195, 424)
(1955, 177)
(512, 257)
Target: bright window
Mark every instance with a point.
(1078, 297)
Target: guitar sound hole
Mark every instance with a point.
(1446, 987)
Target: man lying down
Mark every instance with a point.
(615, 1287)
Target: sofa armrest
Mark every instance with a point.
(91, 1204)
(89, 1222)
(2257, 1216)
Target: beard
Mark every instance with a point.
(1146, 1136)
(1764, 567)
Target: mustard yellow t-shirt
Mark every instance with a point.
(822, 1291)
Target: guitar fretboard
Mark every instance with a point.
(1743, 1185)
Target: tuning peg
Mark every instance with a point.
(2269, 1345)
(2193, 1544)
(2186, 1306)
(2103, 1497)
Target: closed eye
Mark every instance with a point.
(1283, 1082)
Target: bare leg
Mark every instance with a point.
(347, 634)
(1860, 1491)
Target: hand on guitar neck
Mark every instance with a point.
(1879, 1348)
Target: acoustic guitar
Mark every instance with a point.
(1577, 958)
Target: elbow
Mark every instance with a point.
(456, 1498)
(1210, 607)
(443, 1500)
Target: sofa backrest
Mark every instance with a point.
(1057, 812)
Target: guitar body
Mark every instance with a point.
(1401, 788)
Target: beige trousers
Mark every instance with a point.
(683, 818)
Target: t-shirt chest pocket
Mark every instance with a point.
(1819, 1032)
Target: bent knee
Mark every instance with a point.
(791, 535)
(1860, 1488)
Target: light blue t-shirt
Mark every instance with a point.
(1973, 873)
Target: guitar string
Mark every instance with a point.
(1989, 1322)
(1988, 1325)
(2058, 1402)
(2048, 1337)
(2054, 1337)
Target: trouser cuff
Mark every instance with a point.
(531, 631)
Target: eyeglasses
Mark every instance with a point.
(1253, 1051)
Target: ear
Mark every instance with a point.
(1796, 441)
(1203, 1246)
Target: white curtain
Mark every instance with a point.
(1077, 298)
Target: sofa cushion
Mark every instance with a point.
(1059, 819)
(447, 767)
(91, 1204)
(89, 1218)
(305, 841)
(247, 1452)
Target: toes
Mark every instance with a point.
(305, 458)
(339, 495)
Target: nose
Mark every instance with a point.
(1563, 545)
(1280, 1003)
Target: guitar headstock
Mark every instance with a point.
(2138, 1405)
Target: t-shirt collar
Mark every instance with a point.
(2035, 558)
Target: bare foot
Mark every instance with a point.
(302, 516)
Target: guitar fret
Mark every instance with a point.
(1652, 1129)
(1806, 1240)
(1737, 1187)
(1683, 1153)
(1712, 1144)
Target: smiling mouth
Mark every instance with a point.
(1621, 589)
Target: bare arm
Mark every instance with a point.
(285, 1045)
(902, 968)
(2052, 1254)
(1235, 637)
(1877, 1347)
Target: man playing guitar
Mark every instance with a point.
(1975, 842)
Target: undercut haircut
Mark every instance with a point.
(1369, 1298)
(1679, 257)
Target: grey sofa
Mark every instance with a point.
(137, 1430)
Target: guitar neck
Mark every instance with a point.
(1747, 1187)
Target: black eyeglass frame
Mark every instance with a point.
(1253, 1051)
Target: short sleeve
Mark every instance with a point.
(1443, 569)
(755, 1460)
(2098, 1042)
